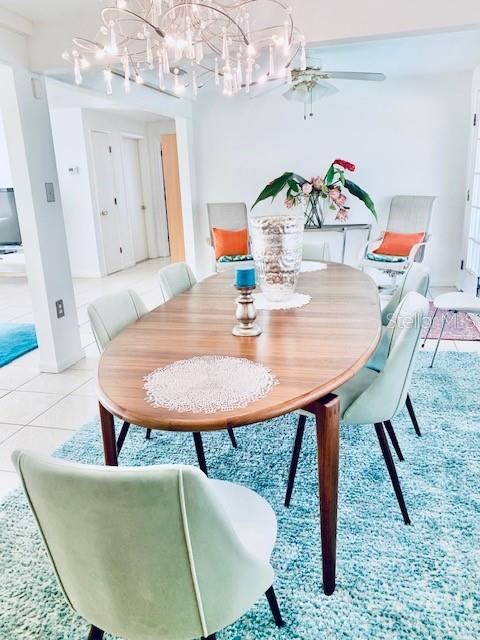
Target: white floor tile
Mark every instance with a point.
(38, 439)
(445, 345)
(70, 413)
(20, 407)
(7, 430)
(61, 383)
(12, 377)
(472, 346)
(9, 481)
(87, 389)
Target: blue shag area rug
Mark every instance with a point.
(15, 341)
(394, 582)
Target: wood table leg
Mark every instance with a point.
(327, 413)
(108, 434)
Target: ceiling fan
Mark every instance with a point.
(311, 84)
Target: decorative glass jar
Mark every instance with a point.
(276, 245)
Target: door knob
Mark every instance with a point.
(104, 212)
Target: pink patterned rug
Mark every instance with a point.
(459, 326)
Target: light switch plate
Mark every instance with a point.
(50, 191)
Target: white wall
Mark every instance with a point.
(5, 172)
(408, 135)
(70, 151)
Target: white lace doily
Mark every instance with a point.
(308, 265)
(295, 301)
(207, 384)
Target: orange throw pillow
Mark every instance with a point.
(230, 243)
(398, 244)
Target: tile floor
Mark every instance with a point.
(39, 410)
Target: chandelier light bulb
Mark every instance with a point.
(217, 74)
(107, 74)
(271, 64)
(303, 55)
(113, 39)
(84, 63)
(121, 4)
(139, 79)
(100, 53)
(126, 71)
(66, 56)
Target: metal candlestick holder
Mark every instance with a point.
(246, 314)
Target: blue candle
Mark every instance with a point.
(244, 277)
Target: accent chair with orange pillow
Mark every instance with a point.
(229, 243)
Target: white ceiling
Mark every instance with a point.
(47, 10)
(418, 55)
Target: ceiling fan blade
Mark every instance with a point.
(355, 75)
(260, 89)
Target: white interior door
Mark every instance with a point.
(107, 201)
(134, 197)
(470, 267)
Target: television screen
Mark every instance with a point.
(9, 229)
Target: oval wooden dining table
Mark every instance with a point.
(312, 350)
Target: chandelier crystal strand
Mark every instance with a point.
(126, 71)
(107, 74)
(233, 42)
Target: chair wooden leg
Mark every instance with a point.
(391, 470)
(295, 456)
(393, 438)
(274, 608)
(412, 415)
(148, 435)
(197, 438)
(232, 438)
(95, 633)
(122, 435)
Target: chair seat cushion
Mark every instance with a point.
(351, 390)
(457, 301)
(377, 361)
(251, 515)
(239, 258)
(384, 258)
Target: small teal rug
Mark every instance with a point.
(15, 341)
(394, 582)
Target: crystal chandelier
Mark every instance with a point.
(184, 44)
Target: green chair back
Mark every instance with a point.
(417, 278)
(387, 394)
(142, 553)
(110, 314)
(175, 279)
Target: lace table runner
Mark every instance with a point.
(207, 384)
(295, 301)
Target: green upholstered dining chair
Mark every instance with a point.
(373, 397)
(108, 316)
(175, 279)
(153, 553)
(417, 278)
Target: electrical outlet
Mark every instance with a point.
(50, 191)
(60, 308)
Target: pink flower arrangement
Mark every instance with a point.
(309, 193)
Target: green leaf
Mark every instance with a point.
(362, 195)
(330, 174)
(274, 188)
(294, 187)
